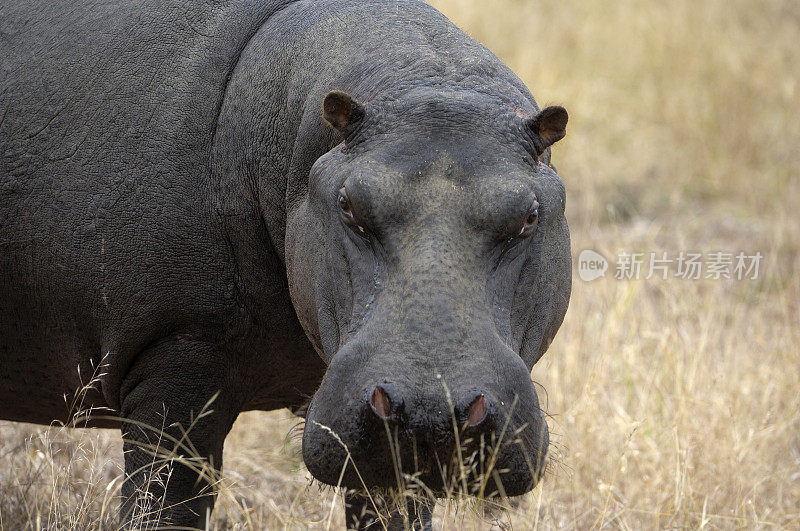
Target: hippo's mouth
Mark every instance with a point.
(433, 463)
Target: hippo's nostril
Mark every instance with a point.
(386, 401)
(477, 411)
(380, 402)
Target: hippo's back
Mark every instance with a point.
(108, 234)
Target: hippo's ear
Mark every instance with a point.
(549, 126)
(342, 111)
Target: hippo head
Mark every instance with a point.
(429, 262)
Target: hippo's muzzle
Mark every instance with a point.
(397, 432)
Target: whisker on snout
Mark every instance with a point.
(295, 434)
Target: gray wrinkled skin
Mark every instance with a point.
(170, 211)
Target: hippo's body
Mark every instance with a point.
(154, 178)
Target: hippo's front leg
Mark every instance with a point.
(359, 513)
(172, 437)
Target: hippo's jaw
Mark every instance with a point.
(481, 465)
(467, 472)
(419, 433)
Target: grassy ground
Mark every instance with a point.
(674, 403)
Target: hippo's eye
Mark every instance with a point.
(347, 212)
(344, 203)
(531, 219)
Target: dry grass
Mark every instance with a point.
(675, 403)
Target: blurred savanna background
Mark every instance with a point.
(673, 403)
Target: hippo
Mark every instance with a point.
(345, 208)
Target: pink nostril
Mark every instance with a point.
(380, 402)
(477, 411)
